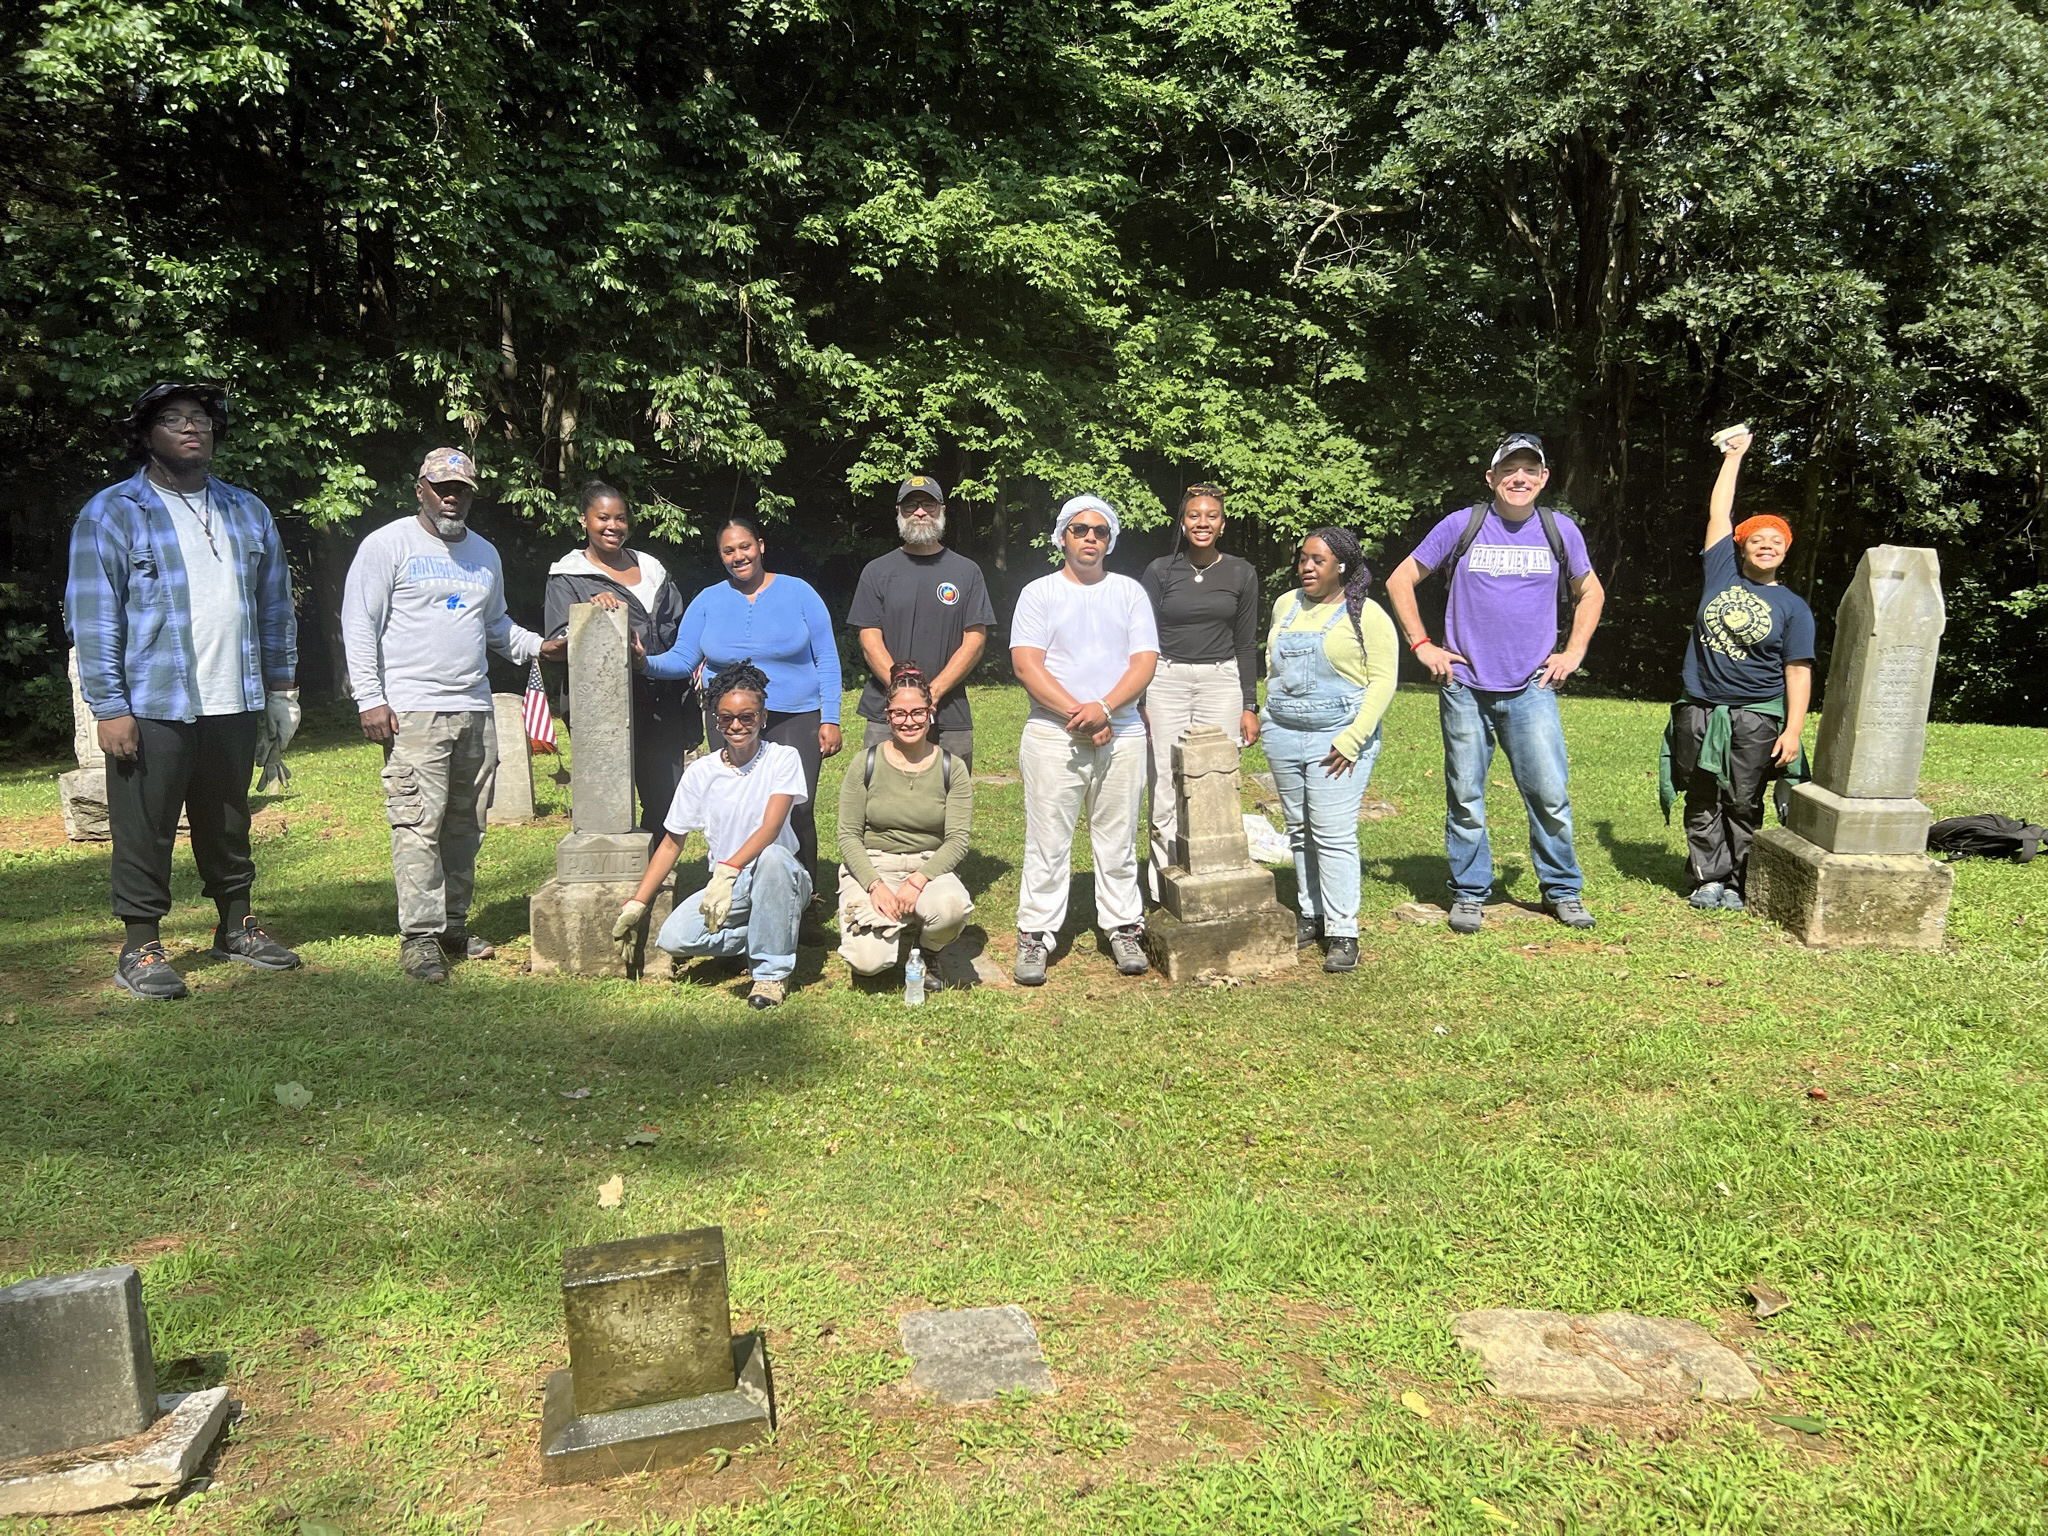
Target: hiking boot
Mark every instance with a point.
(933, 981)
(1030, 971)
(1342, 955)
(460, 944)
(1306, 931)
(252, 946)
(146, 972)
(1466, 916)
(766, 994)
(1707, 896)
(1127, 947)
(1731, 899)
(1572, 912)
(420, 958)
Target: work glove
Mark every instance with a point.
(274, 732)
(717, 903)
(626, 931)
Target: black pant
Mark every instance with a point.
(801, 731)
(1721, 823)
(667, 723)
(202, 768)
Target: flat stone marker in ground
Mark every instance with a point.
(1424, 913)
(655, 1376)
(975, 1354)
(1612, 1358)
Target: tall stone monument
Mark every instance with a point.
(599, 864)
(512, 792)
(1219, 914)
(1850, 867)
(82, 792)
(655, 1376)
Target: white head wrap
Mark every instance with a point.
(1082, 504)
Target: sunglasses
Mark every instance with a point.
(1089, 530)
(733, 722)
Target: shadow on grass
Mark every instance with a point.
(1654, 862)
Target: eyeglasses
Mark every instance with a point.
(909, 716)
(1089, 530)
(734, 722)
(178, 421)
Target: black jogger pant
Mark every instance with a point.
(1720, 824)
(200, 767)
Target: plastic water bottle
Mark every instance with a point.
(913, 978)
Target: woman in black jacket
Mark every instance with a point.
(667, 724)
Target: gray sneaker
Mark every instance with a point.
(1572, 912)
(146, 972)
(1128, 946)
(1030, 970)
(1466, 916)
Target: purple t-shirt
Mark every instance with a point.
(1502, 612)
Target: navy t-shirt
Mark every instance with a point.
(1744, 635)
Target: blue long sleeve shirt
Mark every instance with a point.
(784, 630)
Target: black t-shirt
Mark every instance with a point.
(923, 605)
(1210, 615)
(1744, 634)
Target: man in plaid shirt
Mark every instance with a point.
(179, 601)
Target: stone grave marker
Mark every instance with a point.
(655, 1376)
(598, 865)
(82, 1426)
(974, 1354)
(1218, 912)
(512, 791)
(1849, 867)
(1609, 1359)
(82, 792)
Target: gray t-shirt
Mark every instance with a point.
(923, 605)
(417, 616)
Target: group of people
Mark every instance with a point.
(179, 603)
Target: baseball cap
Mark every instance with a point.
(920, 485)
(1520, 442)
(445, 464)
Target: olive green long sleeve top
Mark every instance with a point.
(904, 813)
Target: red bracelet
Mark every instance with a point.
(1416, 645)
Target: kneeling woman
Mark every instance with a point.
(905, 810)
(740, 799)
(1328, 682)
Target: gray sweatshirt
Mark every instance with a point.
(417, 615)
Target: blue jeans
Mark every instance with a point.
(1526, 726)
(768, 901)
(1322, 821)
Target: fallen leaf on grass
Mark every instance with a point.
(575, 1093)
(1415, 1404)
(612, 1192)
(1816, 1093)
(1800, 1422)
(1769, 1302)
(1492, 1512)
(643, 1138)
(292, 1095)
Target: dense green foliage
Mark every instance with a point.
(776, 254)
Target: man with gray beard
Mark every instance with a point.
(925, 604)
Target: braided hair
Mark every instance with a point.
(908, 674)
(1343, 544)
(734, 677)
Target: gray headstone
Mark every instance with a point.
(74, 1362)
(85, 738)
(512, 792)
(1210, 838)
(601, 705)
(974, 1355)
(1873, 727)
(1611, 1358)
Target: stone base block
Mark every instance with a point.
(1838, 900)
(1223, 893)
(582, 1448)
(1841, 824)
(149, 1466)
(1255, 943)
(594, 856)
(83, 794)
(571, 926)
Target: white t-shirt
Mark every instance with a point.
(1089, 634)
(726, 803)
(214, 587)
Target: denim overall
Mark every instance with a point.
(1308, 704)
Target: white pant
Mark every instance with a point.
(1062, 773)
(1181, 696)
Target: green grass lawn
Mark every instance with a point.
(1242, 1217)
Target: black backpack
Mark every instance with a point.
(1987, 835)
(1552, 535)
(867, 777)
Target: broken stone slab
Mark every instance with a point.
(974, 1354)
(82, 795)
(135, 1470)
(75, 1362)
(1611, 1358)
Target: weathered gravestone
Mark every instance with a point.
(512, 792)
(1849, 867)
(599, 864)
(655, 1376)
(974, 1354)
(1611, 1358)
(82, 792)
(81, 1424)
(1219, 912)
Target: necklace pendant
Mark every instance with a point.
(1198, 576)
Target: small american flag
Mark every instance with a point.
(540, 724)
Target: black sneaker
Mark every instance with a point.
(146, 972)
(252, 946)
(1342, 955)
(420, 958)
(1030, 971)
(1127, 944)
(1306, 931)
(460, 944)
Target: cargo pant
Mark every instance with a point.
(438, 774)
